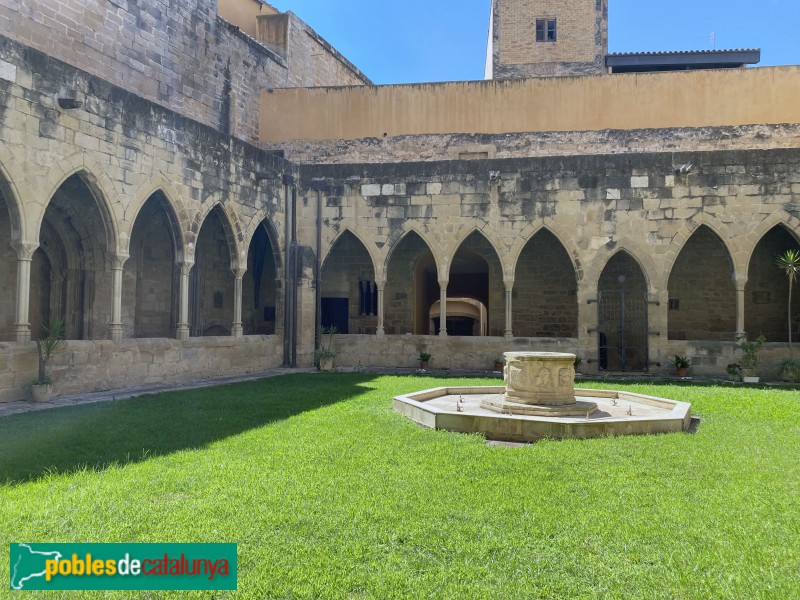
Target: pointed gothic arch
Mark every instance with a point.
(412, 285)
(262, 305)
(767, 289)
(702, 290)
(545, 289)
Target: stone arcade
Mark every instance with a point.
(173, 185)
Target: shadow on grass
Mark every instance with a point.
(96, 436)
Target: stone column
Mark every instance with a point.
(509, 285)
(183, 318)
(443, 307)
(741, 284)
(380, 285)
(237, 330)
(115, 327)
(22, 326)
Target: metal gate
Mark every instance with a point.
(622, 330)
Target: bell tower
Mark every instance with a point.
(547, 38)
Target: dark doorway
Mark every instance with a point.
(622, 316)
(336, 312)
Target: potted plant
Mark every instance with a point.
(424, 359)
(498, 365)
(51, 340)
(734, 370)
(681, 365)
(324, 355)
(749, 360)
(789, 262)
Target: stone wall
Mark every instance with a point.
(457, 146)
(88, 366)
(594, 211)
(178, 53)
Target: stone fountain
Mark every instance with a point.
(539, 400)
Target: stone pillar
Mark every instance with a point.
(22, 326)
(509, 284)
(380, 285)
(183, 318)
(443, 307)
(741, 284)
(115, 327)
(237, 330)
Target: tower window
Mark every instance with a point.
(545, 30)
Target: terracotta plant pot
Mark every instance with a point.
(682, 372)
(423, 364)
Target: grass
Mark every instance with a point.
(330, 494)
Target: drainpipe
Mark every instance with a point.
(288, 181)
(294, 276)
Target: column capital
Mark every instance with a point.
(740, 281)
(117, 260)
(443, 282)
(24, 250)
(238, 272)
(508, 282)
(185, 266)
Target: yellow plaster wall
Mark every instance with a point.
(628, 101)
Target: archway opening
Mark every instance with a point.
(349, 293)
(70, 277)
(702, 294)
(767, 290)
(622, 316)
(261, 283)
(476, 275)
(8, 273)
(411, 287)
(545, 290)
(465, 317)
(151, 279)
(212, 281)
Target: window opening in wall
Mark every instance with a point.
(546, 30)
(367, 298)
(674, 304)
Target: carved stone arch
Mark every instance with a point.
(14, 187)
(176, 209)
(692, 226)
(749, 243)
(397, 236)
(274, 232)
(177, 227)
(461, 236)
(653, 279)
(561, 234)
(230, 224)
(368, 247)
(99, 184)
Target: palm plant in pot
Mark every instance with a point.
(324, 355)
(51, 340)
(749, 360)
(789, 263)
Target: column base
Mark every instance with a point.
(22, 332)
(442, 334)
(237, 331)
(380, 332)
(182, 332)
(115, 332)
(509, 336)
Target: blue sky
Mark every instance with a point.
(445, 40)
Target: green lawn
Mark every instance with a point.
(330, 494)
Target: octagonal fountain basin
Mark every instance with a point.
(539, 401)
